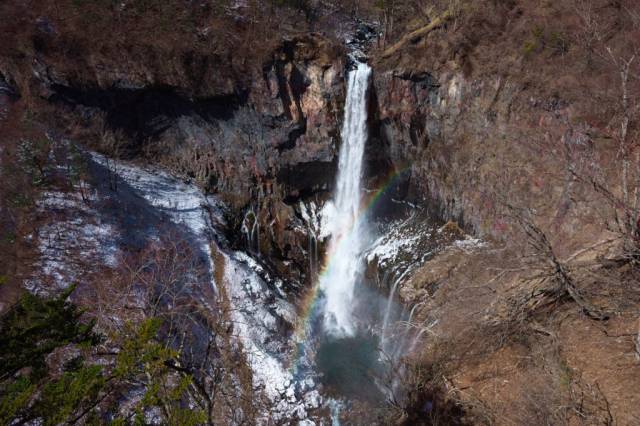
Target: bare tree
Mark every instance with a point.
(387, 11)
(170, 281)
(619, 56)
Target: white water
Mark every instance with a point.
(347, 232)
(387, 311)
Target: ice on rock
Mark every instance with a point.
(282, 406)
(313, 400)
(300, 412)
(327, 216)
(291, 394)
(387, 247)
(183, 203)
(308, 383)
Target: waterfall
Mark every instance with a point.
(387, 311)
(416, 339)
(346, 230)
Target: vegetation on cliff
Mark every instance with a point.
(517, 119)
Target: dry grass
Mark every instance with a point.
(538, 364)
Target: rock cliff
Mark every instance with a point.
(510, 126)
(254, 123)
(512, 118)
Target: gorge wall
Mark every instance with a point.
(496, 119)
(511, 128)
(257, 125)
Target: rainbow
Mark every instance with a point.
(310, 305)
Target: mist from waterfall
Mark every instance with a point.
(346, 228)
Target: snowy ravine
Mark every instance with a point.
(258, 306)
(124, 206)
(183, 203)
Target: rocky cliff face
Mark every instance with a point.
(520, 146)
(486, 118)
(429, 119)
(243, 99)
(476, 147)
(263, 141)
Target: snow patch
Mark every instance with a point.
(386, 248)
(469, 244)
(183, 203)
(256, 317)
(74, 237)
